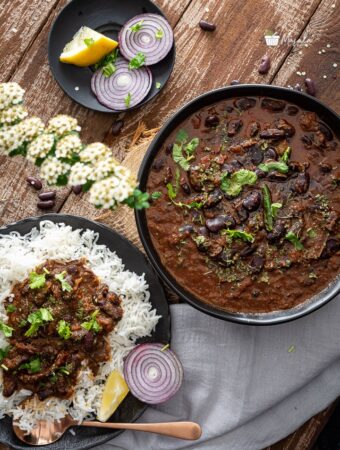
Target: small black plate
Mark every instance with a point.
(134, 260)
(106, 17)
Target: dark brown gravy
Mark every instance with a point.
(270, 273)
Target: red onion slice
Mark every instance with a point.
(153, 375)
(113, 91)
(145, 39)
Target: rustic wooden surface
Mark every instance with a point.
(309, 29)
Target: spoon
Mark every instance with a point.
(48, 432)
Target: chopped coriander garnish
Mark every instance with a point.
(65, 286)
(10, 308)
(172, 190)
(37, 319)
(107, 63)
(291, 349)
(158, 85)
(182, 145)
(279, 166)
(127, 100)
(65, 370)
(165, 347)
(33, 366)
(22, 323)
(233, 185)
(156, 195)
(6, 330)
(64, 329)
(137, 26)
(311, 233)
(286, 155)
(293, 239)
(88, 42)
(239, 234)
(36, 280)
(109, 70)
(270, 209)
(4, 352)
(159, 34)
(92, 324)
(137, 62)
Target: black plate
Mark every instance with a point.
(302, 100)
(107, 17)
(135, 261)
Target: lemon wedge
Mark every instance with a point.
(115, 391)
(87, 48)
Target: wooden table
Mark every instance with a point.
(309, 46)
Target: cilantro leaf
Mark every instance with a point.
(36, 280)
(156, 195)
(107, 63)
(279, 166)
(172, 194)
(92, 324)
(88, 42)
(286, 155)
(158, 85)
(275, 208)
(64, 329)
(233, 185)
(127, 100)
(6, 330)
(109, 70)
(33, 366)
(182, 137)
(178, 157)
(37, 319)
(137, 26)
(11, 308)
(137, 62)
(239, 234)
(65, 286)
(191, 146)
(293, 239)
(159, 34)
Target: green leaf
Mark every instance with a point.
(311, 233)
(36, 280)
(62, 180)
(127, 100)
(156, 195)
(267, 206)
(279, 166)
(178, 157)
(172, 194)
(182, 137)
(6, 330)
(233, 185)
(92, 324)
(33, 366)
(137, 62)
(88, 42)
(158, 85)
(191, 146)
(37, 319)
(239, 234)
(192, 205)
(137, 26)
(110, 58)
(159, 34)
(109, 70)
(65, 286)
(11, 308)
(286, 155)
(275, 208)
(293, 239)
(138, 200)
(64, 329)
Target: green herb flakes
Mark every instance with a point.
(293, 239)
(286, 155)
(291, 349)
(127, 100)
(155, 195)
(159, 34)
(311, 233)
(279, 166)
(137, 26)
(36, 280)
(5, 329)
(92, 324)
(38, 319)
(137, 62)
(11, 308)
(233, 185)
(33, 366)
(109, 70)
(107, 63)
(4, 352)
(158, 85)
(65, 286)
(239, 234)
(88, 42)
(64, 329)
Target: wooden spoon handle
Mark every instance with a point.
(181, 430)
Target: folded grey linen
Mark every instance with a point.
(247, 386)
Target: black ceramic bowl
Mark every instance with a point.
(106, 17)
(134, 260)
(300, 99)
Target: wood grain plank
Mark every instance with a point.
(317, 54)
(20, 22)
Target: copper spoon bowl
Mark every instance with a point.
(48, 432)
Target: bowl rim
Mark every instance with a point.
(210, 97)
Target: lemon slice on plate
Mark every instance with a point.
(87, 48)
(115, 391)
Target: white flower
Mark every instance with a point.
(80, 174)
(95, 152)
(67, 146)
(11, 138)
(51, 169)
(63, 124)
(10, 94)
(12, 115)
(107, 193)
(104, 168)
(30, 128)
(40, 146)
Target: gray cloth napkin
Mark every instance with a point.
(242, 384)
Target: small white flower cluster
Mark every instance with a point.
(63, 124)
(111, 183)
(10, 94)
(12, 115)
(68, 145)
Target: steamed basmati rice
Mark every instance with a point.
(18, 256)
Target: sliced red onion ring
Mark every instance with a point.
(113, 91)
(145, 39)
(153, 375)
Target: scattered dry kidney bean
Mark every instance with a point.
(77, 189)
(35, 182)
(264, 65)
(117, 127)
(50, 195)
(48, 204)
(207, 26)
(234, 82)
(310, 87)
(297, 87)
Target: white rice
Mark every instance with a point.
(18, 256)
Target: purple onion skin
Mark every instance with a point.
(158, 360)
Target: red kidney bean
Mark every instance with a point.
(310, 87)
(325, 167)
(116, 127)
(212, 121)
(50, 195)
(207, 26)
(264, 65)
(252, 201)
(257, 263)
(48, 204)
(77, 189)
(168, 149)
(35, 182)
(234, 82)
(272, 133)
